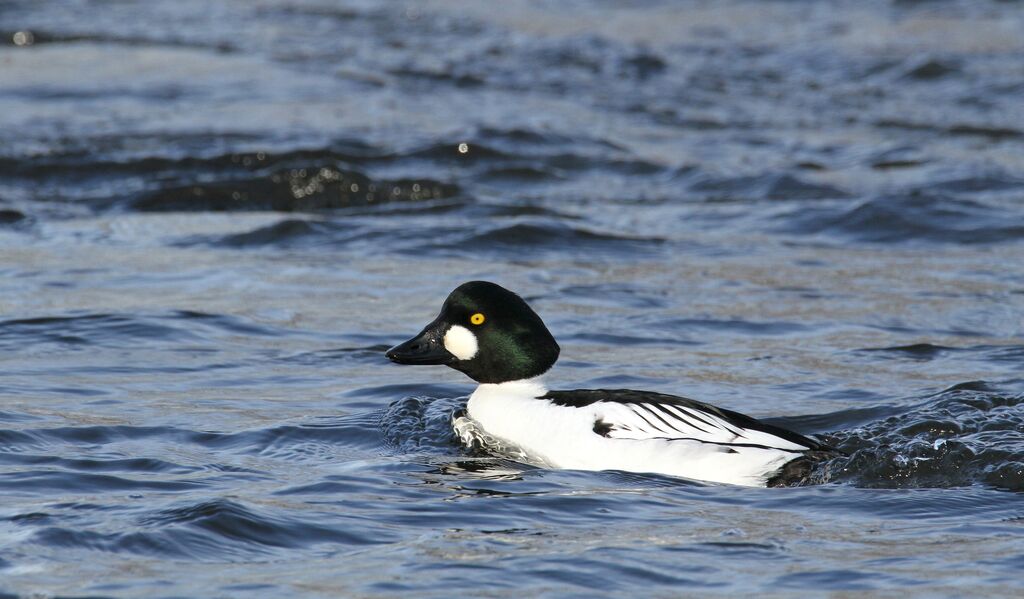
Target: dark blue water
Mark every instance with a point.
(215, 217)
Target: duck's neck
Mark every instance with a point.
(532, 387)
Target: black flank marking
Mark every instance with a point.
(689, 413)
(584, 397)
(694, 414)
(725, 426)
(644, 418)
(681, 415)
(602, 428)
(650, 408)
(730, 445)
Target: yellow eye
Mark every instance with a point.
(477, 318)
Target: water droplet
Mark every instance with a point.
(23, 38)
(463, 148)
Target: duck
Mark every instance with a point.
(495, 338)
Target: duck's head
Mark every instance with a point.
(485, 331)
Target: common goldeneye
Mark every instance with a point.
(494, 337)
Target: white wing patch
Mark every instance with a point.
(648, 421)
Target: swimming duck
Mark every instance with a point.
(493, 336)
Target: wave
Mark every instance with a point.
(293, 190)
(768, 186)
(129, 330)
(969, 434)
(218, 529)
(536, 238)
(922, 217)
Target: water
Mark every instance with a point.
(215, 217)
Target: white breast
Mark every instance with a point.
(564, 437)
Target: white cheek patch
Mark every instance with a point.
(461, 343)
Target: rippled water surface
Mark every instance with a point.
(216, 216)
